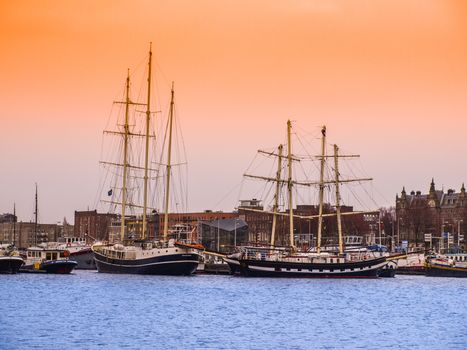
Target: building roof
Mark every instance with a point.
(226, 224)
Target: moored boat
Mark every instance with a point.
(80, 251)
(258, 262)
(388, 270)
(144, 256)
(10, 260)
(454, 265)
(273, 261)
(48, 260)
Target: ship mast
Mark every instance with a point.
(14, 223)
(146, 154)
(289, 182)
(35, 219)
(338, 198)
(321, 190)
(169, 166)
(126, 133)
(276, 197)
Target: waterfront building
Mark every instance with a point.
(259, 221)
(92, 224)
(106, 227)
(223, 235)
(23, 234)
(437, 219)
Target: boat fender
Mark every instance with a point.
(66, 253)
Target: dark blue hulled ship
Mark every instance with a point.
(273, 261)
(147, 258)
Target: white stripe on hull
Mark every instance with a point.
(317, 271)
(151, 264)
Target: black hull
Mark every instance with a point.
(175, 264)
(387, 273)
(10, 265)
(389, 270)
(85, 259)
(442, 271)
(419, 270)
(260, 268)
(52, 266)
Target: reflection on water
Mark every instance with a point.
(89, 310)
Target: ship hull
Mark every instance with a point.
(85, 259)
(174, 264)
(389, 270)
(445, 271)
(259, 268)
(10, 264)
(51, 266)
(387, 273)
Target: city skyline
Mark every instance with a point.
(388, 79)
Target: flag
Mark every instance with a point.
(109, 192)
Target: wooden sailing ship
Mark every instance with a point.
(273, 261)
(145, 256)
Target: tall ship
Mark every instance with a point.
(288, 261)
(134, 253)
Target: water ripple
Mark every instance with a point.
(100, 311)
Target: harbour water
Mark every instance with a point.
(88, 310)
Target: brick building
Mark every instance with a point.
(436, 213)
(305, 230)
(23, 234)
(101, 226)
(92, 224)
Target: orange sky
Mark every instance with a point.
(388, 78)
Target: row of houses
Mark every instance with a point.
(436, 220)
(222, 231)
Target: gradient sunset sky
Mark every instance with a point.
(388, 78)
